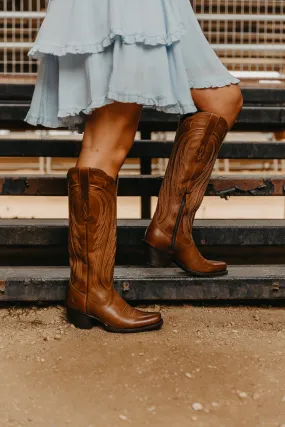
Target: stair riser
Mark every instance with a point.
(252, 118)
(131, 236)
(147, 185)
(146, 149)
(151, 290)
(58, 256)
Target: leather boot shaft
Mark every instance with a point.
(92, 242)
(92, 235)
(207, 134)
(197, 143)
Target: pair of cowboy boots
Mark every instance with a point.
(91, 298)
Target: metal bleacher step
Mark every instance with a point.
(263, 110)
(251, 118)
(61, 147)
(248, 282)
(206, 232)
(36, 249)
(147, 185)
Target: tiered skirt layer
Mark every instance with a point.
(95, 52)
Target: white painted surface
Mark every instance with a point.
(129, 207)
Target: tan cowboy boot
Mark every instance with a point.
(91, 297)
(169, 235)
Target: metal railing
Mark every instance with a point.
(20, 21)
(248, 35)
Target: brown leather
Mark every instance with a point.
(191, 163)
(92, 248)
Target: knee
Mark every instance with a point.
(232, 105)
(226, 101)
(235, 100)
(230, 101)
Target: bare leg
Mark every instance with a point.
(108, 137)
(225, 101)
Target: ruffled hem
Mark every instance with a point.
(151, 62)
(39, 50)
(42, 121)
(206, 84)
(161, 104)
(74, 117)
(150, 23)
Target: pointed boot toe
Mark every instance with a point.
(220, 265)
(151, 318)
(150, 321)
(143, 322)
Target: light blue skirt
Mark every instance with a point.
(95, 52)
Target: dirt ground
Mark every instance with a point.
(208, 366)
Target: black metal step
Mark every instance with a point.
(147, 149)
(149, 284)
(52, 232)
(146, 185)
(264, 96)
(251, 118)
(264, 109)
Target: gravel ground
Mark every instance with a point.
(208, 366)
